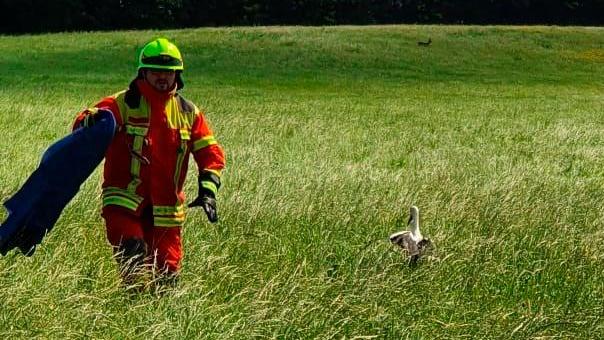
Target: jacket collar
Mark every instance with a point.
(151, 94)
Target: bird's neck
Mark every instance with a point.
(415, 229)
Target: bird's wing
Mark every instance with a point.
(410, 245)
(404, 239)
(397, 238)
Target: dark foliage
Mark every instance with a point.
(21, 16)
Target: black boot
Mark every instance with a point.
(131, 259)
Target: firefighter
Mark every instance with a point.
(146, 165)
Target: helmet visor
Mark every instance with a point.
(161, 60)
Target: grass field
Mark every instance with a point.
(496, 133)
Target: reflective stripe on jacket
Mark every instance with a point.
(148, 159)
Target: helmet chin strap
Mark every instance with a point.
(179, 82)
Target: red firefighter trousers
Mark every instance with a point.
(164, 245)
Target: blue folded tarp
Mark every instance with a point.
(66, 164)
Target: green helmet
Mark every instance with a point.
(160, 54)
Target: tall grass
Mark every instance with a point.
(496, 133)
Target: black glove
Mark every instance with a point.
(209, 206)
(208, 182)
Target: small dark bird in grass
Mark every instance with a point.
(424, 43)
(412, 240)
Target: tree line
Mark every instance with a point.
(33, 16)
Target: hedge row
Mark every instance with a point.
(21, 16)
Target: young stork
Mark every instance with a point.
(411, 240)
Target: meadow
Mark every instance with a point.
(496, 133)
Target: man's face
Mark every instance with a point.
(161, 80)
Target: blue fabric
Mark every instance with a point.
(65, 165)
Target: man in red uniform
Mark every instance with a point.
(147, 161)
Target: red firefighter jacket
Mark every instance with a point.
(148, 158)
